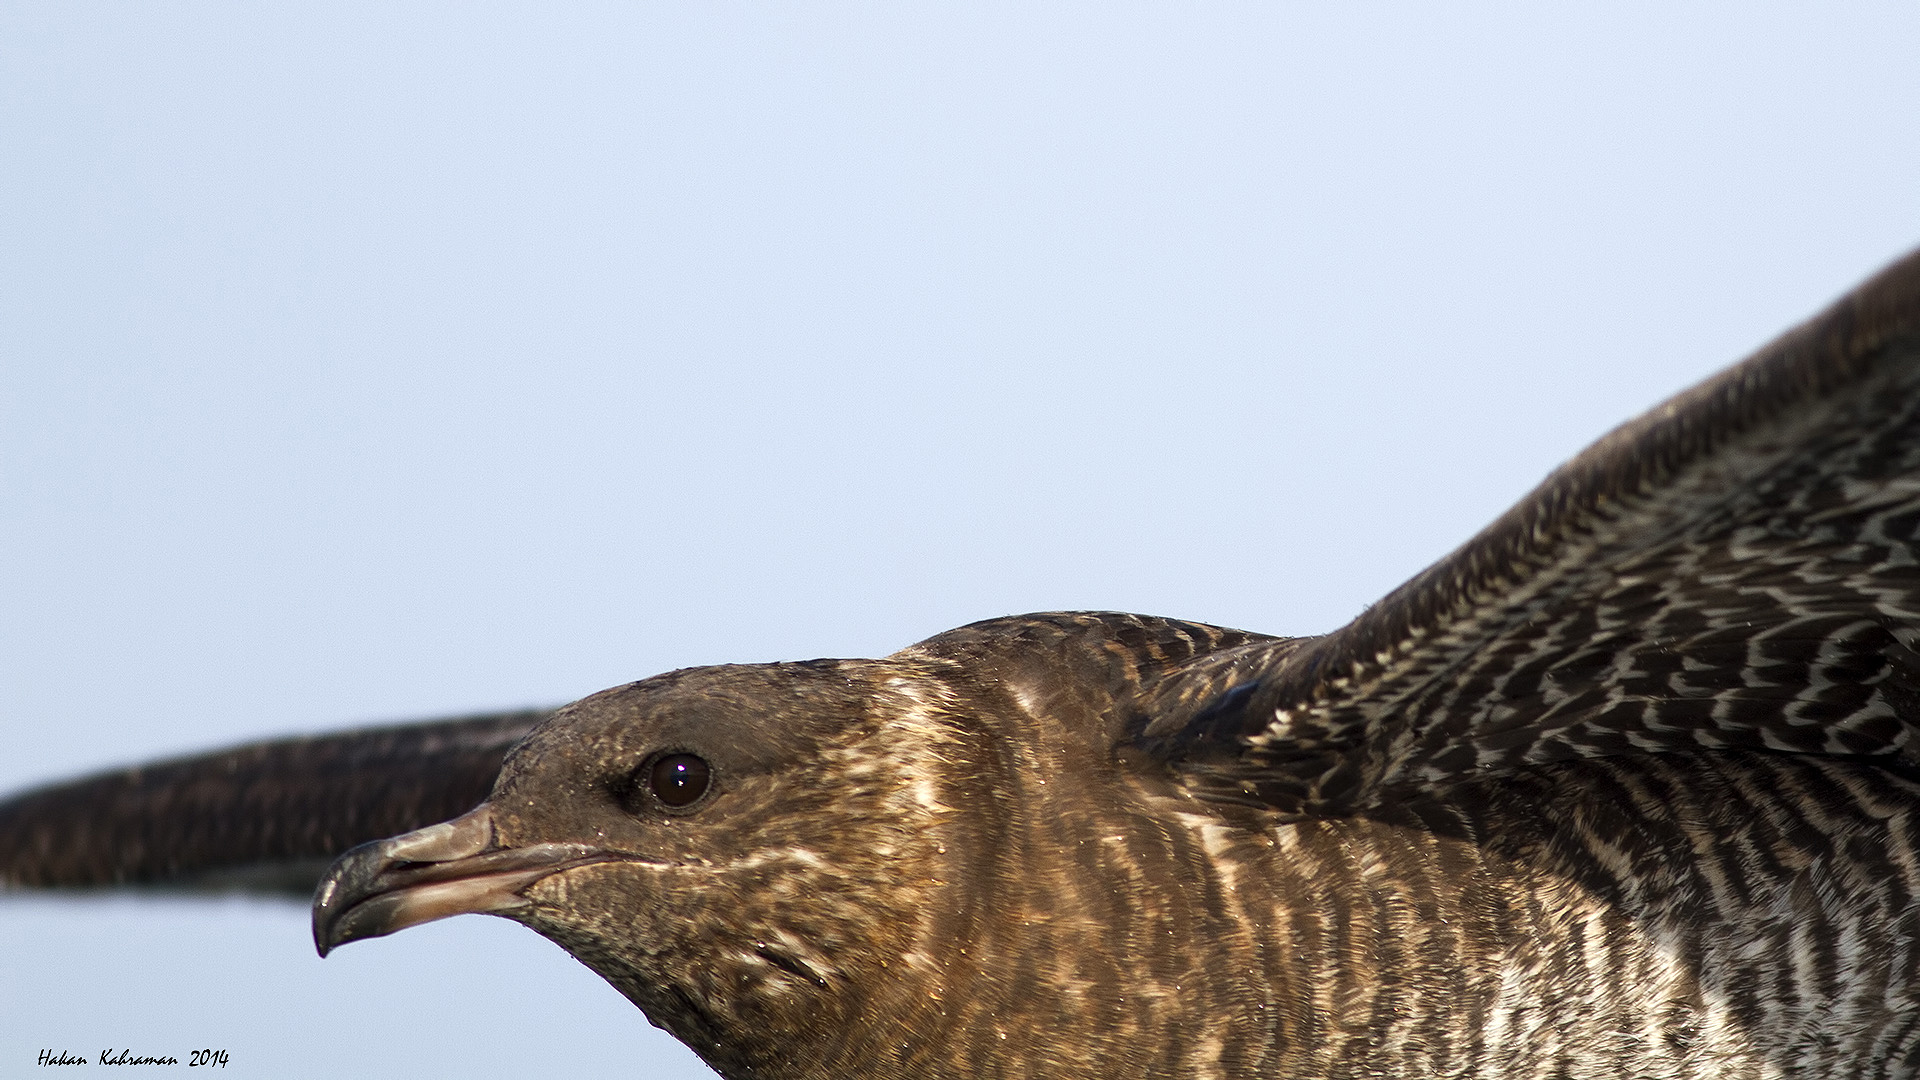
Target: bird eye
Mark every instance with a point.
(678, 780)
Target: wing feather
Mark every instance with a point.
(1735, 569)
(265, 817)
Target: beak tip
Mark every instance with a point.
(339, 912)
(321, 938)
(323, 915)
(448, 869)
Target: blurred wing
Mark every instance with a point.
(1738, 568)
(267, 817)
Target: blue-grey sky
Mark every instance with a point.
(374, 362)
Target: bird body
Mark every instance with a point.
(1625, 786)
(967, 883)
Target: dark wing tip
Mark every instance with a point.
(265, 817)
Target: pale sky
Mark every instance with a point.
(388, 361)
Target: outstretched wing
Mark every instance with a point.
(1738, 568)
(267, 817)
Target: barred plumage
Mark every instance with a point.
(1626, 786)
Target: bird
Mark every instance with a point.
(1626, 785)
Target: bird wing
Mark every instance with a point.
(1736, 569)
(267, 817)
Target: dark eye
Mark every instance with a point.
(678, 780)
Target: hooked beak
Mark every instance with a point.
(452, 868)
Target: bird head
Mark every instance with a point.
(755, 855)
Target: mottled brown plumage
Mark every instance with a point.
(1626, 786)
